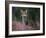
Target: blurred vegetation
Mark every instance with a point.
(33, 13)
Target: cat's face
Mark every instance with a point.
(23, 12)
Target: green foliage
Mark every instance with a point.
(32, 13)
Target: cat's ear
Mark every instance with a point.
(26, 11)
(21, 11)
